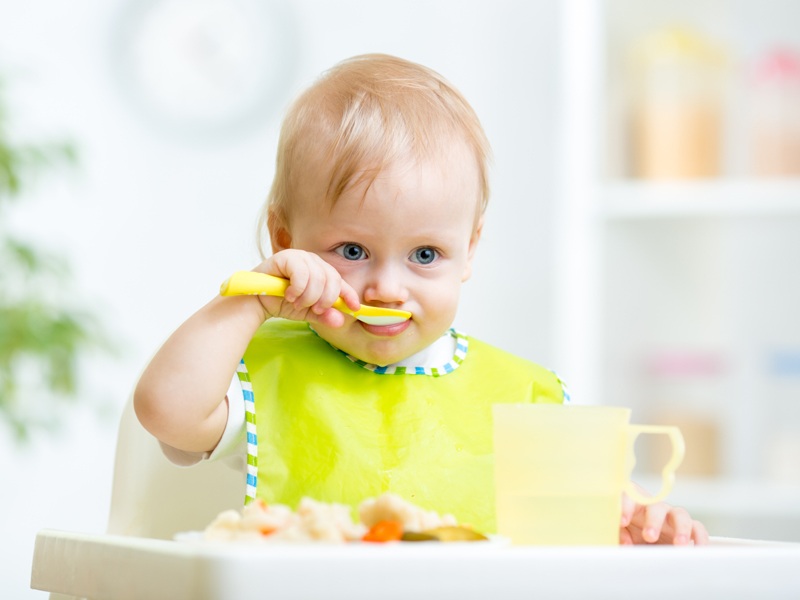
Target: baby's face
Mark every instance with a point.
(407, 244)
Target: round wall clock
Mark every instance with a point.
(202, 66)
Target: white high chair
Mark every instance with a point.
(153, 498)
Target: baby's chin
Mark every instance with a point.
(380, 360)
(380, 354)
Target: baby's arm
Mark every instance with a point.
(180, 397)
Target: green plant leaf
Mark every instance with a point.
(43, 335)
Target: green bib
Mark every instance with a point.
(337, 430)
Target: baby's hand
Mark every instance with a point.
(659, 523)
(314, 287)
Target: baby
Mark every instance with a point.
(379, 197)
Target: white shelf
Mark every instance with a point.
(643, 200)
(747, 499)
(750, 508)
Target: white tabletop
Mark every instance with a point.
(115, 567)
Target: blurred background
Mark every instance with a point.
(641, 238)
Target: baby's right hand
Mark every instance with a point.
(314, 287)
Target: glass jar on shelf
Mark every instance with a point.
(775, 114)
(686, 387)
(676, 117)
(781, 456)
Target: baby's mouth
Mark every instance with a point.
(386, 330)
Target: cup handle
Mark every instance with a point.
(668, 472)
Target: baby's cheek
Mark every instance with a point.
(442, 306)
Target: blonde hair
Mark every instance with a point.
(359, 117)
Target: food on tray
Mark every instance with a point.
(312, 521)
(391, 507)
(450, 533)
(383, 519)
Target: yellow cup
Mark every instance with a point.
(560, 472)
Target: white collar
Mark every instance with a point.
(438, 353)
(443, 356)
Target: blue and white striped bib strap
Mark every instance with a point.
(252, 437)
(564, 389)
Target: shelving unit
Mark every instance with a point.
(635, 200)
(704, 271)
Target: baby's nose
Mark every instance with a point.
(385, 286)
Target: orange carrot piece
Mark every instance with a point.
(384, 531)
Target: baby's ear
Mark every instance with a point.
(279, 235)
(473, 246)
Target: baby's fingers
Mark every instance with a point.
(626, 537)
(349, 295)
(682, 525)
(314, 284)
(654, 517)
(327, 292)
(330, 316)
(295, 265)
(628, 508)
(334, 288)
(699, 534)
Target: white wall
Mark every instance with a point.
(152, 222)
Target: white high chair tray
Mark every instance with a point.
(102, 567)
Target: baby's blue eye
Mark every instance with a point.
(351, 252)
(424, 256)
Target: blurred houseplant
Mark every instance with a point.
(42, 334)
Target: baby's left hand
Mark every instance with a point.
(659, 523)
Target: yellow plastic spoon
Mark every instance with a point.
(250, 283)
